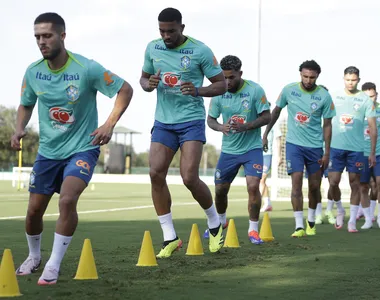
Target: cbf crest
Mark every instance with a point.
(72, 93)
(185, 62)
(245, 104)
(314, 106)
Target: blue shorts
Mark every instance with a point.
(174, 135)
(267, 163)
(229, 164)
(48, 174)
(368, 172)
(298, 157)
(351, 160)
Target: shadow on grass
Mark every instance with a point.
(327, 266)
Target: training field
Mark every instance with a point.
(331, 265)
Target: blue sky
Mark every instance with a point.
(336, 33)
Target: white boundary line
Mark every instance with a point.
(115, 209)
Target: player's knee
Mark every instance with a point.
(253, 187)
(35, 212)
(190, 180)
(334, 183)
(314, 185)
(220, 192)
(67, 203)
(364, 188)
(156, 176)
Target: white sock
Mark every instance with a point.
(60, 245)
(223, 218)
(298, 215)
(339, 206)
(367, 214)
(353, 212)
(373, 208)
(212, 217)
(167, 227)
(311, 215)
(318, 211)
(253, 225)
(34, 243)
(330, 205)
(266, 201)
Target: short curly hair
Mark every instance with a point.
(230, 62)
(310, 65)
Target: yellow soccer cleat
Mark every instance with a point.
(168, 250)
(216, 242)
(309, 230)
(299, 233)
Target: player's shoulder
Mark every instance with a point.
(81, 60)
(35, 64)
(254, 86)
(322, 93)
(157, 44)
(291, 86)
(194, 43)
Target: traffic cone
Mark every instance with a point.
(195, 244)
(232, 240)
(147, 257)
(8, 281)
(86, 267)
(266, 229)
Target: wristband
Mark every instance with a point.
(196, 92)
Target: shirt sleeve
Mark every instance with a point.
(282, 101)
(148, 63)
(28, 96)
(104, 80)
(214, 110)
(261, 103)
(329, 108)
(370, 110)
(209, 63)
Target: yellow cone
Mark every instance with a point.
(147, 257)
(195, 244)
(8, 281)
(266, 230)
(232, 240)
(86, 267)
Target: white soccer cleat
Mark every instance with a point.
(352, 227)
(367, 225)
(340, 219)
(49, 276)
(29, 266)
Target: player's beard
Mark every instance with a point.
(53, 54)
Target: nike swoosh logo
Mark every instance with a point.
(41, 93)
(158, 59)
(83, 172)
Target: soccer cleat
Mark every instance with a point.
(340, 219)
(206, 235)
(330, 217)
(309, 230)
(367, 225)
(216, 242)
(49, 276)
(299, 233)
(266, 208)
(168, 249)
(351, 227)
(318, 220)
(29, 266)
(254, 237)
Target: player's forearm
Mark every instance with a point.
(274, 117)
(122, 102)
(373, 135)
(260, 121)
(214, 89)
(144, 82)
(24, 113)
(327, 133)
(214, 124)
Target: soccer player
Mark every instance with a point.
(307, 105)
(368, 173)
(175, 66)
(244, 109)
(275, 133)
(352, 107)
(330, 203)
(65, 85)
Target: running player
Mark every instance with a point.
(373, 173)
(307, 105)
(65, 85)
(244, 109)
(352, 107)
(175, 65)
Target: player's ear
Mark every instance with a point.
(241, 73)
(63, 36)
(182, 27)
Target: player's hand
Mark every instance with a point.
(324, 162)
(154, 80)
(102, 135)
(265, 143)
(188, 88)
(15, 140)
(239, 127)
(225, 128)
(372, 160)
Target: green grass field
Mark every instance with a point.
(332, 265)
